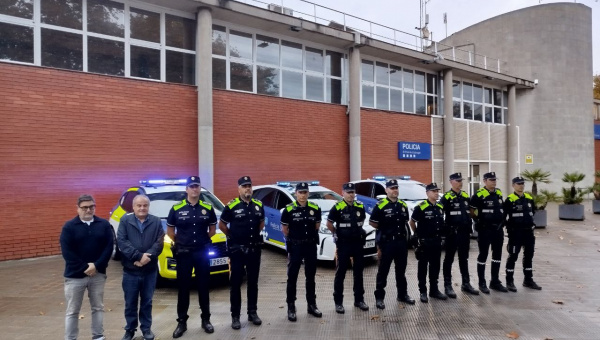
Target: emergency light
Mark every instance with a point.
(166, 181)
(292, 183)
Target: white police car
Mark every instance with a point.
(370, 191)
(163, 194)
(276, 197)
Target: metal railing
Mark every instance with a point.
(322, 15)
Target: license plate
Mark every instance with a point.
(370, 244)
(218, 261)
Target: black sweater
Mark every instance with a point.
(82, 244)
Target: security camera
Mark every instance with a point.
(535, 82)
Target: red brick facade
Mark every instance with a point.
(66, 133)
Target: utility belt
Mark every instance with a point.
(480, 226)
(243, 248)
(297, 242)
(348, 225)
(456, 228)
(178, 249)
(391, 237)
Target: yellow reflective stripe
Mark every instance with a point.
(233, 203)
(340, 205)
(440, 205)
(424, 205)
(257, 202)
(512, 197)
(220, 272)
(312, 205)
(464, 194)
(217, 238)
(179, 205)
(449, 195)
(277, 242)
(383, 203)
(118, 213)
(356, 204)
(498, 192)
(205, 205)
(528, 196)
(132, 189)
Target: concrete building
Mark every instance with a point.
(101, 94)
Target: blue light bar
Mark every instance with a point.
(292, 183)
(284, 184)
(379, 178)
(163, 181)
(314, 183)
(405, 177)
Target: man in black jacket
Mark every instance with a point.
(86, 242)
(140, 238)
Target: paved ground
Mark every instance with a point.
(567, 265)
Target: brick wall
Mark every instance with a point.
(380, 133)
(67, 133)
(274, 139)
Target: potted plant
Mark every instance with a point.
(595, 189)
(572, 209)
(540, 200)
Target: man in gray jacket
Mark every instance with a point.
(140, 238)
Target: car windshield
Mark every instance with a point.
(412, 192)
(325, 199)
(161, 202)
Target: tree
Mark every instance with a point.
(572, 195)
(597, 86)
(535, 176)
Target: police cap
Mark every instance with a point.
(244, 181)
(302, 186)
(193, 180)
(432, 186)
(518, 180)
(457, 176)
(489, 175)
(349, 187)
(391, 183)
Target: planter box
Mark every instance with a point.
(596, 206)
(541, 218)
(571, 212)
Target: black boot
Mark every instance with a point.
(529, 283)
(314, 311)
(436, 294)
(510, 285)
(498, 286)
(207, 326)
(181, 328)
(291, 312)
(235, 322)
(253, 317)
(467, 288)
(483, 287)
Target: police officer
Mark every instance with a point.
(427, 222)
(300, 222)
(348, 216)
(246, 219)
(486, 209)
(459, 229)
(519, 209)
(390, 218)
(195, 222)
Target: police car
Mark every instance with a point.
(163, 194)
(370, 191)
(276, 197)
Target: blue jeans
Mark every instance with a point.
(74, 290)
(142, 287)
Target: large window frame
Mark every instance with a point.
(282, 71)
(379, 90)
(487, 104)
(36, 23)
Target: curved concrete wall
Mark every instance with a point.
(551, 43)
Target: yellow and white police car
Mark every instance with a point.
(163, 194)
(276, 197)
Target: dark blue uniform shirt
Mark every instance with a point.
(192, 223)
(244, 221)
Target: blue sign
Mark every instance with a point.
(412, 150)
(597, 131)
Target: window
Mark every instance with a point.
(180, 32)
(106, 56)
(364, 188)
(282, 200)
(16, 43)
(267, 50)
(181, 67)
(267, 80)
(62, 49)
(145, 62)
(145, 25)
(17, 8)
(291, 55)
(477, 102)
(241, 76)
(267, 196)
(63, 13)
(106, 17)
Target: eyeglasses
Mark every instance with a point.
(87, 207)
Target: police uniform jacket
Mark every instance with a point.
(192, 223)
(489, 207)
(456, 209)
(244, 221)
(301, 222)
(348, 220)
(430, 220)
(392, 219)
(519, 212)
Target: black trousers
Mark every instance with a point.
(297, 253)
(346, 250)
(396, 251)
(186, 262)
(457, 241)
(516, 240)
(431, 258)
(487, 237)
(249, 261)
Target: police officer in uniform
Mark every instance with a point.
(487, 210)
(246, 219)
(195, 222)
(427, 222)
(390, 218)
(300, 223)
(458, 237)
(345, 221)
(519, 209)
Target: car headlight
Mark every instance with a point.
(324, 230)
